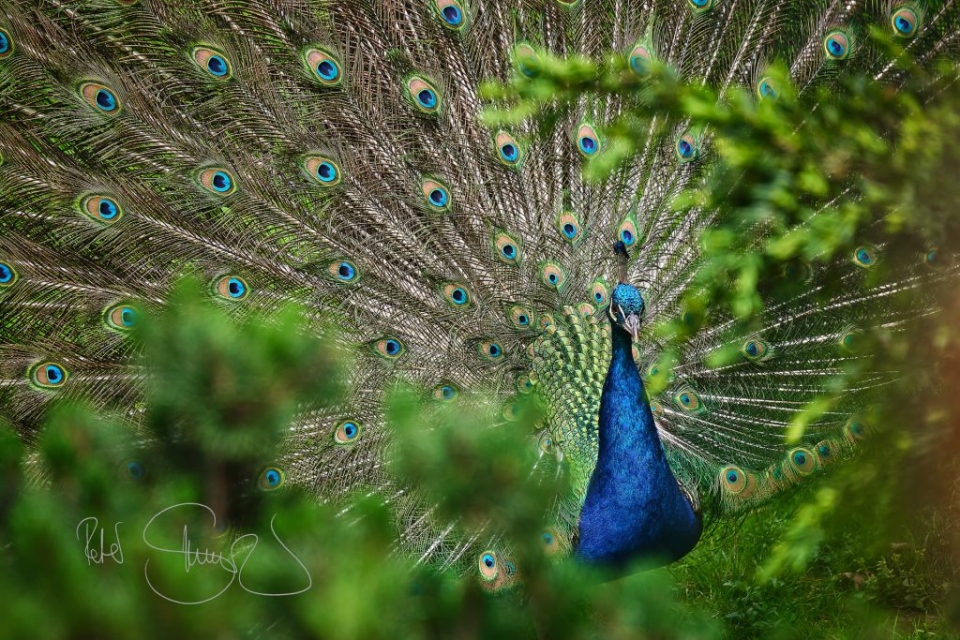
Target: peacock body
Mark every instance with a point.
(330, 154)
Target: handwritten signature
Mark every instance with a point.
(97, 551)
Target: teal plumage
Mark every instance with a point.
(331, 154)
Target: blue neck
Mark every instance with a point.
(634, 508)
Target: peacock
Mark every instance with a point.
(330, 154)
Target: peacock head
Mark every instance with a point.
(626, 308)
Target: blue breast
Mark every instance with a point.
(634, 508)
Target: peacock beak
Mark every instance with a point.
(632, 324)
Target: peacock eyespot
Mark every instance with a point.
(837, 45)
(545, 443)
(506, 248)
(657, 409)
(323, 66)
(686, 148)
(767, 88)
(688, 400)
(133, 470)
(232, 288)
(437, 195)
(217, 181)
(425, 96)
(489, 567)
(552, 275)
(445, 392)
(347, 432)
(121, 317)
(271, 479)
(587, 140)
(628, 232)
(851, 339)
(452, 14)
(569, 227)
(640, 61)
(390, 348)
(48, 375)
(521, 317)
(700, 6)
(101, 208)
(343, 271)
(457, 295)
(599, 293)
(823, 450)
(100, 96)
(865, 256)
(905, 22)
(491, 350)
(213, 62)
(526, 59)
(736, 481)
(755, 350)
(854, 430)
(8, 275)
(6, 44)
(323, 170)
(803, 461)
(508, 150)
(932, 259)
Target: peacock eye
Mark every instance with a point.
(122, 317)
(640, 61)
(132, 470)
(100, 96)
(323, 66)
(445, 392)
(521, 317)
(322, 169)
(507, 248)
(48, 375)
(824, 450)
(688, 400)
(101, 209)
(390, 348)
(755, 350)
(343, 271)
(437, 195)
(346, 432)
(546, 321)
(803, 461)
(232, 288)
(569, 227)
(217, 181)
(491, 350)
(8, 276)
(657, 409)
(552, 275)
(6, 44)
(700, 5)
(850, 339)
(905, 22)
(767, 88)
(424, 95)
(545, 443)
(213, 62)
(508, 150)
(526, 59)
(865, 256)
(488, 565)
(736, 481)
(526, 382)
(837, 45)
(599, 293)
(587, 140)
(271, 479)
(457, 295)
(686, 148)
(628, 232)
(854, 430)
(452, 14)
